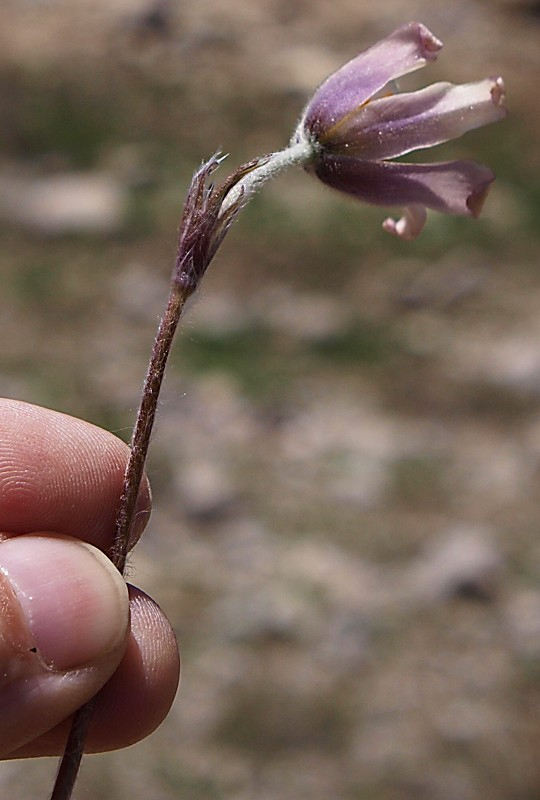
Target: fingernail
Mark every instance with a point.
(73, 600)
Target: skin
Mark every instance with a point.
(67, 627)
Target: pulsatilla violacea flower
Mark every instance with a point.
(355, 123)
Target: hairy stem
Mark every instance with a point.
(208, 213)
(296, 154)
(144, 424)
(69, 765)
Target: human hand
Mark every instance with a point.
(67, 627)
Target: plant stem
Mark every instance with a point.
(73, 751)
(144, 424)
(208, 213)
(69, 765)
(296, 154)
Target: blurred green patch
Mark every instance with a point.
(37, 283)
(177, 777)
(419, 481)
(265, 362)
(247, 355)
(268, 720)
(320, 250)
(360, 343)
(46, 117)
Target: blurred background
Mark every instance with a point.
(346, 465)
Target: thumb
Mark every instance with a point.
(64, 618)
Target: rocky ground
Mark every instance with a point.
(346, 467)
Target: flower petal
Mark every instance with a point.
(392, 126)
(409, 225)
(453, 187)
(407, 49)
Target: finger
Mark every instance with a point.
(63, 631)
(137, 697)
(61, 474)
(140, 693)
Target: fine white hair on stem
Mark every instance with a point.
(297, 154)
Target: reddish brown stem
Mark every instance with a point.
(69, 765)
(205, 221)
(143, 426)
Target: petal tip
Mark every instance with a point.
(409, 226)
(428, 42)
(498, 93)
(475, 201)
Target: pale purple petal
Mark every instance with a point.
(395, 125)
(409, 225)
(453, 187)
(408, 48)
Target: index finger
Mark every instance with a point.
(61, 474)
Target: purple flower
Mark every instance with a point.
(355, 124)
